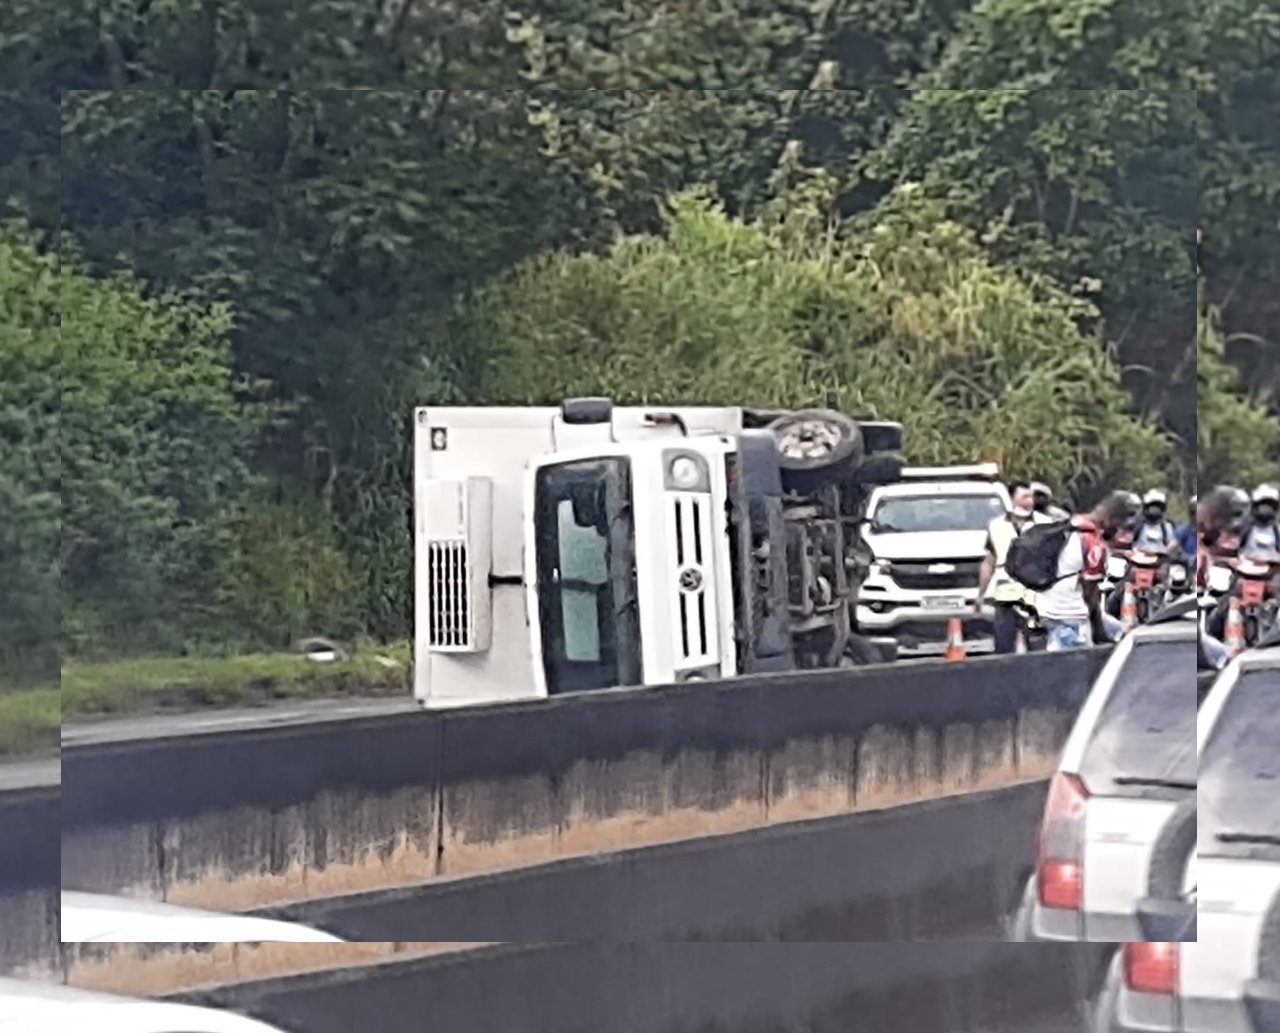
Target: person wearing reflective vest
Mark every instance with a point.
(994, 583)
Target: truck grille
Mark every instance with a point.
(691, 527)
(447, 607)
(919, 578)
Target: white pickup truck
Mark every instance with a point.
(927, 536)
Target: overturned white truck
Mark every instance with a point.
(588, 547)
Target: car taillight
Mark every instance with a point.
(1151, 968)
(1060, 863)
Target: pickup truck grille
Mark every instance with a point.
(919, 577)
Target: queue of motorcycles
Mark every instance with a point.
(1154, 578)
(1256, 607)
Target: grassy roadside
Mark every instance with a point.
(30, 718)
(148, 684)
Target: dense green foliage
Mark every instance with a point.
(29, 462)
(153, 442)
(909, 321)
(333, 256)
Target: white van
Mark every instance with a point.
(30, 1007)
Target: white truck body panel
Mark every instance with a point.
(483, 454)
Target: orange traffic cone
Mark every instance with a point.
(1233, 637)
(1129, 609)
(955, 640)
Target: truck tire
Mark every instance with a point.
(816, 446)
(859, 652)
(879, 469)
(1171, 852)
(1269, 944)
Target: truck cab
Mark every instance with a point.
(591, 547)
(927, 538)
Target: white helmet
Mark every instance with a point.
(1155, 497)
(1266, 493)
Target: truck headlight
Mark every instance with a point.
(686, 471)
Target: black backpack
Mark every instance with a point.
(1033, 555)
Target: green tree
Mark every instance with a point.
(1238, 169)
(154, 441)
(29, 461)
(905, 321)
(1238, 438)
(1065, 131)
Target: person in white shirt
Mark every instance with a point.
(994, 583)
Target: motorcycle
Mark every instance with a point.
(1116, 572)
(1217, 586)
(1033, 632)
(1144, 578)
(1258, 605)
(1154, 578)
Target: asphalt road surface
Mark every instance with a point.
(157, 726)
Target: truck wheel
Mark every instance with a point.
(1171, 852)
(861, 653)
(815, 445)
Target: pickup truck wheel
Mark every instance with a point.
(815, 445)
(1171, 852)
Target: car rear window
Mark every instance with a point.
(1144, 742)
(1239, 794)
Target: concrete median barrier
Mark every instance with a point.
(941, 870)
(29, 816)
(688, 988)
(245, 819)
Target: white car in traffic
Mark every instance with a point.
(928, 537)
(30, 1007)
(102, 918)
(1227, 980)
(1120, 821)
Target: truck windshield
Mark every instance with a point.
(913, 514)
(585, 533)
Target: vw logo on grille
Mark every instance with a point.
(690, 579)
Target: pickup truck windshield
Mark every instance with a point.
(914, 514)
(585, 533)
(1239, 796)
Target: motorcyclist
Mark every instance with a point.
(1044, 503)
(1258, 539)
(1222, 517)
(1187, 534)
(1156, 533)
(1152, 533)
(1261, 540)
